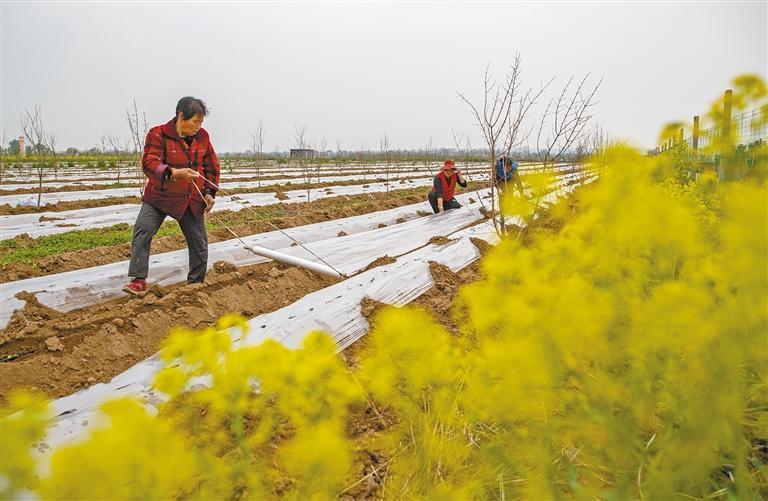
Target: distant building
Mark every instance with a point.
(22, 149)
(299, 154)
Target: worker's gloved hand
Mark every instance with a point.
(209, 201)
(185, 174)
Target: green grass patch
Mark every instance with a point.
(23, 249)
(26, 250)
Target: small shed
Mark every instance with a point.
(302, 154)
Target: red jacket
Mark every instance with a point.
(164, 149)
(445, 187)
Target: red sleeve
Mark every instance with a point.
(152, 160)
(211, 169)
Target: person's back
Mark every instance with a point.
(506, 172)
(506, 169)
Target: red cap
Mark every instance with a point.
(449, 164)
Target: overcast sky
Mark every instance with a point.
(352, 72)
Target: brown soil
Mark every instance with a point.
(371, 465)
(380, 262)
(481, 245)
(74, 187)
(82, 184)
(7, 210)
(439, 240)
(44, 218)
(59, 353)
(242, 222)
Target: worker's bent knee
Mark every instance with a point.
(432, 197)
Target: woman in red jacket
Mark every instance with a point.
(178, 159)
(441, 198)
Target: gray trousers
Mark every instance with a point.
(147, 224)
(447, 204)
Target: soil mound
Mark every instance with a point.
(96, 343)
(380, 262)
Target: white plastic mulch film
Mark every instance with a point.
(80, 288)
(82, 195)
(51, 223)
(375, 173)
(84, 287)
(128, 174)
(397, 283)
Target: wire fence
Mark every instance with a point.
(746, 128)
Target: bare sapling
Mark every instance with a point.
(54, 161)
(561, 134)
(137, 124)
(320, 156)
(257, 147)
(31, 124)
(386, 158)
(564, 121)
(563, 126)
(594, 144)
(501, 124)
(4, 152)
(115, 144)
(467, 150)
(300, 137)
(427, 155)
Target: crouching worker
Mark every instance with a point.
(178, 159)
(507, 173)
(441, 197)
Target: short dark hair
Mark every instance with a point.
(190, 106)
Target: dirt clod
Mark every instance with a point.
(439, 240)
(369, 307)
(54, 344)
(46, 218)
(381, 261)
(446, 285)
(224, 267)
(481, 245)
